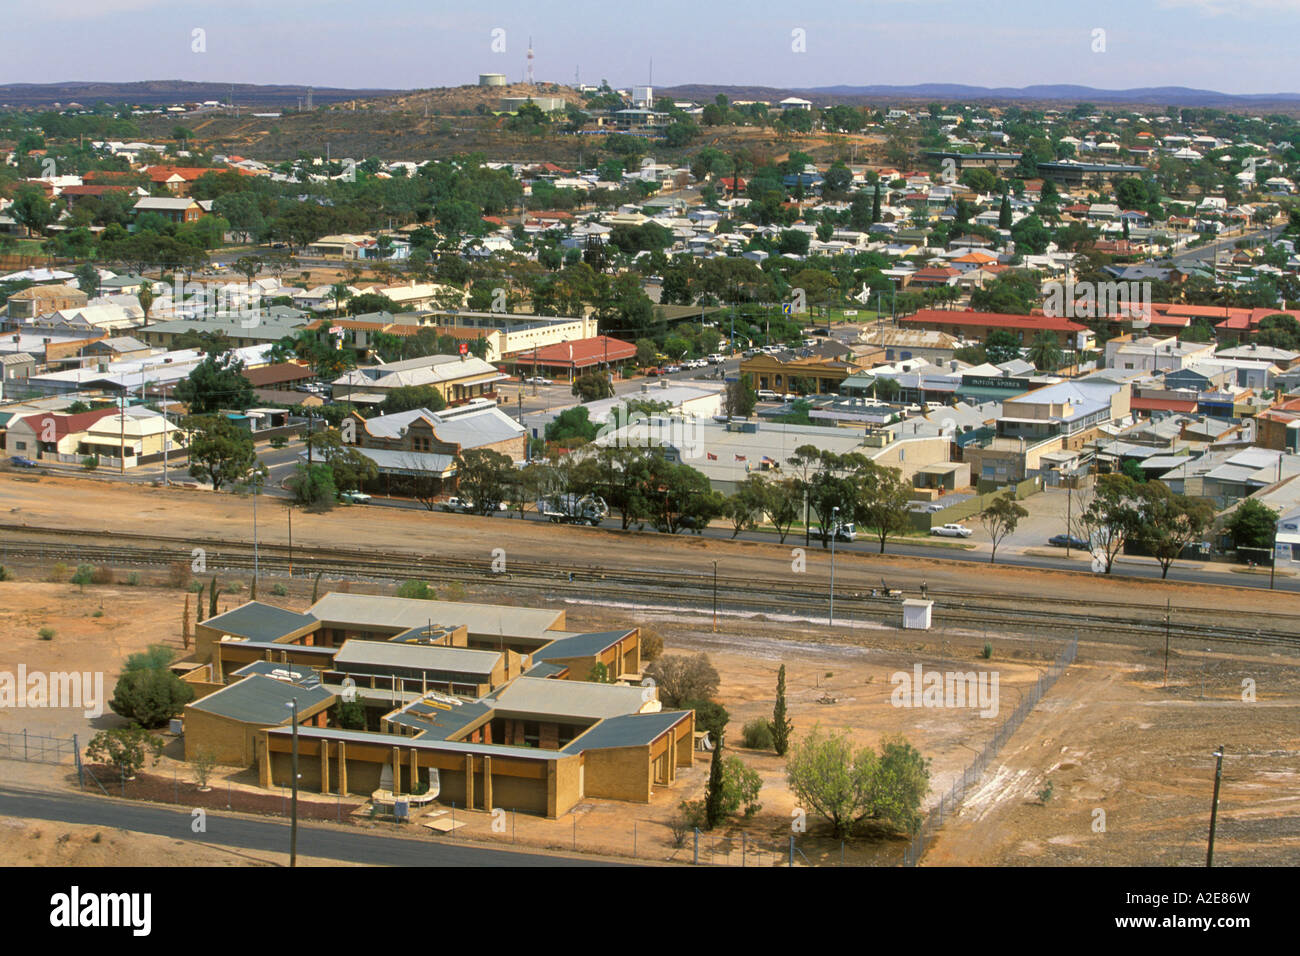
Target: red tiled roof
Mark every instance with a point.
(993, 320)
(1163, 404)
(581, 353)
(65, 425)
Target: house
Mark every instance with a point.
(415, 451)
(27, 304)
(458, 378)
(180, 211)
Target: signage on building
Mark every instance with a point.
(985, 381)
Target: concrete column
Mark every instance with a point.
(343, 768)
(397, 772)
(415, 769)
(487, 784)
(324, 766)
(469, 781)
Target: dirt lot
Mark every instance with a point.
(1108, 737)
(42, 843)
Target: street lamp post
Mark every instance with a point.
(835, 515)
(293, 818)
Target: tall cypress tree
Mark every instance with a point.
(198, 606)
(713, 798)
(1004, 213)
(875, 204)
(212, 597)
(780, 725)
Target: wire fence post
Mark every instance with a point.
(696, 861)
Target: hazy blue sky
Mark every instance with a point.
(1236, 46)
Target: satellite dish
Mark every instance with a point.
(1098, 562)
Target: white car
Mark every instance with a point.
(767, 395)
(355, 497)
(716, 358)
(538, 380)
(952, 531)
(670, 369)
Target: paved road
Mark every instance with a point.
(245, 833)
(1210, 250)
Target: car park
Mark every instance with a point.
(1068, 541)
(952, 531)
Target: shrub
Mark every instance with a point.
(90, 462)
(203, 763)
(234, 587)
(126, 747)
(710, 716)
(179, 575)
(681, 678)
(740, 787)
(988, 650)
(652, 645)
(99, 612)
(46, 633)
(58, 572)
(415, 589)
(133, 579)
(83, 576)
(147, 692)
(4, 575)
(757, 735)
(453, 591)
(195, 587)
(279, 590)
(1046, 793)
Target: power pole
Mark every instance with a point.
(1168, 610)
(1214, 807)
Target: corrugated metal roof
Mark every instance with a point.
(261, 700)
(580, 645)
(567, 698)
(426, 657)
(366, 610)
(259, 622)
(631, 730)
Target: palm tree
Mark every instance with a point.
(1045, 353)
(340, 293)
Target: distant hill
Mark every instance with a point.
(169, 92)
(949, 92)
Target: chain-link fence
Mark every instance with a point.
(951, 800)
(24, 746)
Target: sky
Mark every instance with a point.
(1232, 46)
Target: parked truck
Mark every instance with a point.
(574, 509)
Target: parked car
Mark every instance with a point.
(1068, 541)
(671, 369)
(654, 372)
(952, 531)
(767, 395)
(717, 357)
(537, 380)
(22, 462)
(355, 497)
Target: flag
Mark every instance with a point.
(712, 457)
(741, 458)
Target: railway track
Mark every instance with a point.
(656, 587)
